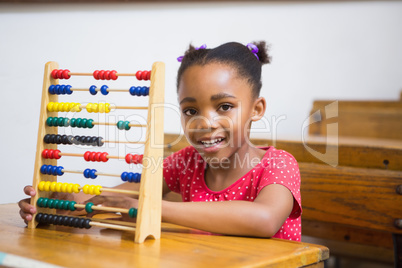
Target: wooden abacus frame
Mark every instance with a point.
(148, 221)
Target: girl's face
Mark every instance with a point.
(217, 108)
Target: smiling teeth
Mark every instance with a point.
(211, 142)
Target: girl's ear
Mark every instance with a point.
(259, 109)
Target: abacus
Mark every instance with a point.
(48, 151)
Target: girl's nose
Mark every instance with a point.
(207, 121)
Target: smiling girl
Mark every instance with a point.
(228, 185)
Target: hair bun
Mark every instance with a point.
(262, 53)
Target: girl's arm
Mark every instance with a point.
(261, 218)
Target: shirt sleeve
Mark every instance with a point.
(282, 168)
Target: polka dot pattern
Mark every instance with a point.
(184, 174)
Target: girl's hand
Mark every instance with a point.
(26, 209)
(113, 201)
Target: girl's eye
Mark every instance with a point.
(190, 112)
(225, 107)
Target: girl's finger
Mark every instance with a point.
(29, 190)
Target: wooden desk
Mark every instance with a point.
(178, 247)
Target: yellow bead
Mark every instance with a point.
(107, 109)
(89, 107)
(56, 106)
(85, 188)
(76, 188)
(70, 188)
(64, 187)
(47, 186)
(58, 186)
(50, 106)
(41, 185)
(53, 186)
(97, 190)
(101, 107)
(95, 108)
(91, 189)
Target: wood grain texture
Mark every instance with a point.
(178, 247)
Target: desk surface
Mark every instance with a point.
(177, 247)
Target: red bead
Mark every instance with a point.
(128, 158)
(103, 157)
(44, 153)
(101, 75)
(107, 75)
(144, 75)
(96, 74)
(66, 75)
(113, 75)
(60, 74)
(138, 75)
(140, 159)
(54, 74)
(87, 156)
(97, 157)
(56, 154)
(149, 75)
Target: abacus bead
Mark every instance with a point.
(56, 154)
(61, 204)
(96, 74)
(103, 157)
(132, 212)
(65, 74)
(60, 74)
(92, 90)
(137, 91)
(126, 125)
(65, 122)
(101, 74)
(130, 177)
(50, 203)
(83, 123)
(44, 153)
(148, 75)
(75, 222)
(62, 90)
(138, 75)
(38, 217)
(78, 122)
(66, 204)
(39, 202)
(46, 138)
(68, 90)
(59, 220)
(143, 91)
(88, 207)
(137, 177)
(53, 170)
(92, 174)
(72, 122)
(60, 171)
(113, 75)
(87, 140)
(104, 90)
(45, 202)
(132, 90)
(86, 173)
(43, 169)
(51, 90)
(54, 74)
(44, 218)
(107, 75)
(90, 123)
(49, 121)
(128, 158)
(93, 141)
(87, 224)
(100, 141)
(120, 125)
(69, 222)
(71, 206)
(56, 203)
(123, 176)
(87, 155)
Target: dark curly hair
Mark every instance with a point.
(234, 54)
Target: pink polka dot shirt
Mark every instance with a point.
(184, 173)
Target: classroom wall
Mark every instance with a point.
(320, 50)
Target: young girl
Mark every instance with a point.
(228, 185)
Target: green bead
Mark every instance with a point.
(127, 125)
(88, 207)
(50, 203)
(72, 122)
(71, 206)
(44, 202)
(132, 212)
(49, 121)
(90, 123)
(39, 202)
(120, 124)
(61, 204)
(65, 122)
(66, 204)
(56, 203)
(78, 122)
(60, 121)
(83, 123)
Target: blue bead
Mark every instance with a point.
(86, 173)
(62, 89)
(92, 90)
(143, 91)
(104, 89)
(147, 92)
(124, 176)
(130, 177)
(57, 89)
(49, 170)
(92, 174)
(54, 170)
(137, 177)
(137, 91)
(131, 90)
(60, 170)
(43, 169)
(68, 90)
(51, 90)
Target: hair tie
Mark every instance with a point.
(254, 49)
(204, 46)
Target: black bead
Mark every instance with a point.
(38, 217)
(100, 141)
(87, 225)
(58, 139)
(70, 139)
(75, 222)
(81, 223)
(44, 218)
(46, 138)
(70, 222)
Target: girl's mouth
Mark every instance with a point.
(211, 145)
